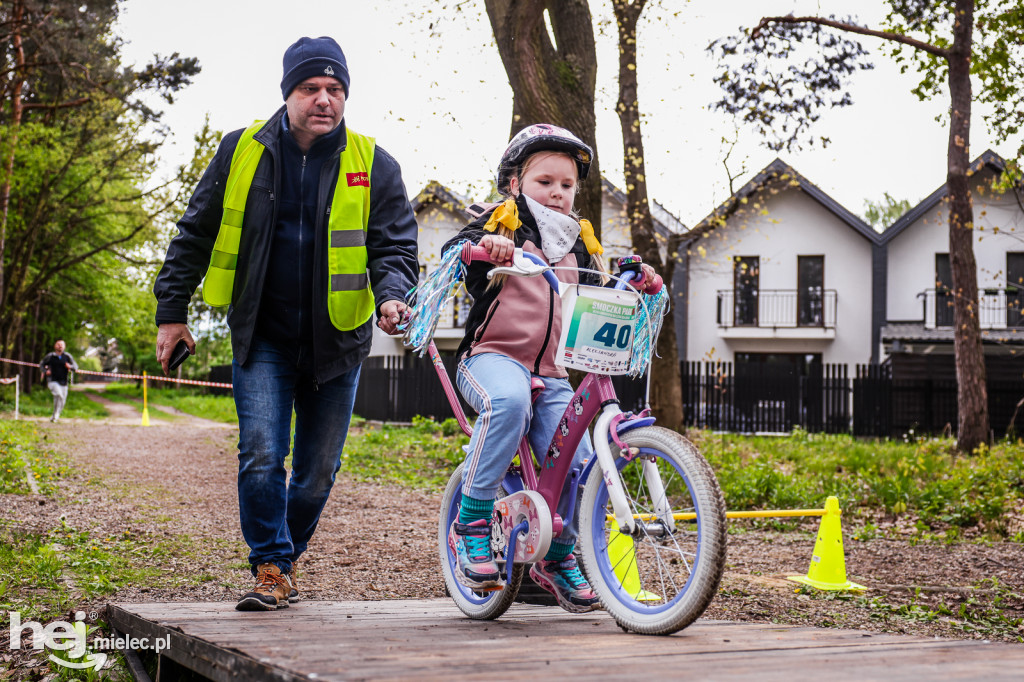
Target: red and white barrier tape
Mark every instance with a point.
(8, 381)
(151, 377)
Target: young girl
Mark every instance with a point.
(511, 336)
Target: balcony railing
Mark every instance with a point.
(777, 309)
(997, 308)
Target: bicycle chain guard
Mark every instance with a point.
(529, 506)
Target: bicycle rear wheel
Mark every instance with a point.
(478, 605)
(663, 577)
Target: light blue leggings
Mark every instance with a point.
(498, 388)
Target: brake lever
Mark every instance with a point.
(521, 266)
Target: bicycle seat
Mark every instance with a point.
(536, 386)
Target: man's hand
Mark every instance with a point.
(167, 338)
(391, 313)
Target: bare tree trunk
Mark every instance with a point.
(972, 394)
(666, 390)
(552, 82)
(16, 83)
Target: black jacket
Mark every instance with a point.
(390, 245)
(520, 318)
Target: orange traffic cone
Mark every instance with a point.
(828, 565)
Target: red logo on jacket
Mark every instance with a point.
(358, 179)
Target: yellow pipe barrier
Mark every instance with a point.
(828, 565)
(766, 513)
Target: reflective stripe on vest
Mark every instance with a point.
(349, 296)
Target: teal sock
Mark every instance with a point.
(559, 550)
(474, 510)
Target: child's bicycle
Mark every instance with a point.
(652, 525)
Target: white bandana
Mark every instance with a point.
(558, 232)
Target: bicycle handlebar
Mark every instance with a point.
(526, 264)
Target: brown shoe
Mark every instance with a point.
(293, 596)
(271, 591)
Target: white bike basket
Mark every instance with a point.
(597, 329)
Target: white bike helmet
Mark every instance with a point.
(542, 137)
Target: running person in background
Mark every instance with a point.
(57, 367)
(512, 333)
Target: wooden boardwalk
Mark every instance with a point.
(431, 639)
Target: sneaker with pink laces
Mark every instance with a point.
(564, 580)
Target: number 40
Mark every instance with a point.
(614, 335)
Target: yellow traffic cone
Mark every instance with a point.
(828, 565)
(622, 553)
(145, 401)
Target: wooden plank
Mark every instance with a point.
(431, 639)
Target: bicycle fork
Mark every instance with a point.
(624, 518)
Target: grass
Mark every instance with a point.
(135, 403)
(23, 463)
(419, 456)
(926, 478)
(47, 573)
(39, 403)
(43, 572)
(192, 401)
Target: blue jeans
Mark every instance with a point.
(279, 514)
(498, 388)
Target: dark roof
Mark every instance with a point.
(779, 171)
(916, 332)
(665, 223)
(988, 158)
(435, 192)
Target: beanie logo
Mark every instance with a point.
(329, 71)
(358, 179)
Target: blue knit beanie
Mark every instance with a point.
(311, 57)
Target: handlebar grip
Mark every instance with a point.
(639, 281)
(471, 252)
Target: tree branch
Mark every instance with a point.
(63, 105)
(853, 28)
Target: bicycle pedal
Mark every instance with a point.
(488, 590)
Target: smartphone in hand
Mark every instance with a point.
(179, 355)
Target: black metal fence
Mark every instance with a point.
(399, 388)
(888, 407)
(765, 398)
(723, 396)
(759, 398)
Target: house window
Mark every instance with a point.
(943, 291)
(746, 284)
(1015, 289)
(810, 290)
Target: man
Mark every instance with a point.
(56, 367)
(307, 231)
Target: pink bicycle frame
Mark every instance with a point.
(593, 393)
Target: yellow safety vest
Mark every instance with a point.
(349, 296)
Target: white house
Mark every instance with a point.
(441, 213)
(918, 333)
(779, 274)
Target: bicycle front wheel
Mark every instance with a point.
(663, 577)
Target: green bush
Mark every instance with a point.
(925, 477)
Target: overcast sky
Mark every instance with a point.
(431, 88)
